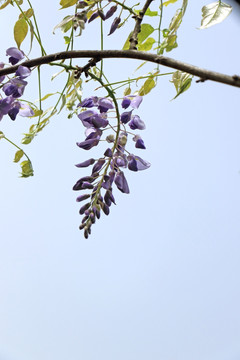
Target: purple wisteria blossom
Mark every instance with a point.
(109, 170)
(14, 88)
(15, 55)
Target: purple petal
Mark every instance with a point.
(140, 144)
(126, 102)
(93, 16)
(121, 182)
(89, 102)
(23, 72)
(136, 123)
(126, 117)
(99, 164)
(82, 197)
(98, 121)
(142, 164)
(86, 117)
(110, 12)
(15, 55)
(25, 110)
(104, 105)
(136, 101)
(114, 25)
(86, 163)
(108, 153)
(132, 164)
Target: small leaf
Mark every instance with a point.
(149, 12)
(32, 34)
(27, 139)
(65, 24)
(146, 30)
(56, 74)
(7, 2)
(63, 103)
(67, 40)
(127, 91)
(147, 86)
(176, 21)
(182, 82)
(147, 45)
(2, 136)
(18, 156)
(27, 169)
(27, 13)
(20, 31)
(214, 13)
(48, 95)
(127, 44)
(67, 3)
(166, 3)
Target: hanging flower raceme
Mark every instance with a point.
(14, 88)
(107, 171)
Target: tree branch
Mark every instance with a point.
(137, 29)
(203, 74)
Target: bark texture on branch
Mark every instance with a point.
(137, 29)
(203, 74)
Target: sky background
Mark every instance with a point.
(159, 277)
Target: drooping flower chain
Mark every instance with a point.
(107, 170)
(14, 88)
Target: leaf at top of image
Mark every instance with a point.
(214, 13)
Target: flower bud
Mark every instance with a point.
(123, 140)
(110, 138)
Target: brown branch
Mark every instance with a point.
(204, 74)
(137, 29)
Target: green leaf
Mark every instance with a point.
(27, 13)
(166, 3)
(127, 91)
(32, 34)
(20, 31)
(148, 12)
(67, 40)
(214, 13)
(146, 30)
(2, 136)
(65, 24)
(176, 21)
(48, 95)
(5, 3)
(56, 74)
(27, 139)
(147, 86)
(19, 154)
(182, 82)
(126, 45)
(63, 103)
(67, 3)
(37, 112)
(147, 45)
(27, 169)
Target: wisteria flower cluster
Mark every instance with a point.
(107, 170)
(14, 88)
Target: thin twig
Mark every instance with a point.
(204, 74)
(137, 29)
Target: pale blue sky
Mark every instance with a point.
(159, 277)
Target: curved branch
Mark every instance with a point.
(203, 74)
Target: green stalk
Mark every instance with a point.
(36, 25)
(16, 146)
